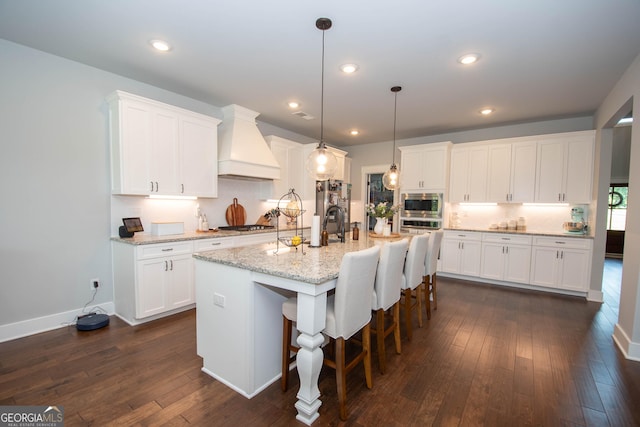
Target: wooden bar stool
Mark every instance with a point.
(386, 295)
(348, 312)
(430, 267)
(412, 280)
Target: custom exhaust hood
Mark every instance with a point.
(242, 151)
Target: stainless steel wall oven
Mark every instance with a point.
(420, 212)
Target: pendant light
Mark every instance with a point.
(391, 178)
(322, 163)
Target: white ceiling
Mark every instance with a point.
(541, 59)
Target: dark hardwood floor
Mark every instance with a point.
(489, 356)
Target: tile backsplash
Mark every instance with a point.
(547, 218)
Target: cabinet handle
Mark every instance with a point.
(559, 197)
(563, 196)
(166, 266)
(151, 182)
(507, 250)
(561, 254)
(167, 250)
(506, 238)
(557, 254)
(503, 249)
(182, 191)
(561, 243)
(462, 245)
(171, 265)
(216, 244)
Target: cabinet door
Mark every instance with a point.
(151, 289)
(550, 171)
(459, 176)
(165, 153)
(477, 180)
(492, 265)
(449, 255)
(517, 263)
(470, 258)
(499, 173)
(412, 168)
(181, 287)
(574, 272)
(579, 169)
(198, 157)
(523, 172)
(133, 143)
(544, 266)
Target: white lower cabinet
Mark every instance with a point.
(563, 263)
(506, 257)
(164, 284)
(460, 252)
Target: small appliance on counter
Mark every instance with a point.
(577, 224)
(131, 226)
(333, 193)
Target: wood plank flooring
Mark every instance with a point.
(489, 356)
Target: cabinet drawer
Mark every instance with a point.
(165, 249)
(563, 242)
(212, 244)
(462, 235)
(513, 239)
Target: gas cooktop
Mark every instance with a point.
(251, 227)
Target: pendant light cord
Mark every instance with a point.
(395, 110)
(322, 96)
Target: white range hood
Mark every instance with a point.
(242, 151)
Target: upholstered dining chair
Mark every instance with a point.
(430, 267)
(386, 296)
(348, 312)
(412, 279)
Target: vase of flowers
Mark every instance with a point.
(381, 212)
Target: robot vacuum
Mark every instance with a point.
(92, 321)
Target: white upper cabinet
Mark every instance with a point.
(424, 168)
(511, 172)
(565, 168)
(343, 171)
(290, 157)
(160, 149)
(468, 181)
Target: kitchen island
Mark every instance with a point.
(239, 295)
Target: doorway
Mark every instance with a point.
(377, 193)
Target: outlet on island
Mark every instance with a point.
(218, 300)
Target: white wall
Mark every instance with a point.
(623, 97)
(54, 178)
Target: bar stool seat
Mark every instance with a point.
(348, 312)
(412, 279)
(430, 267)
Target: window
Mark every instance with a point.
(617, 214)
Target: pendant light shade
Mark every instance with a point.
(391, 178)
(322, 163)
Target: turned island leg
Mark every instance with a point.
(311, 322)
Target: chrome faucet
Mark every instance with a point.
(337, 212)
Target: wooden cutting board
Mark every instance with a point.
(236, 215)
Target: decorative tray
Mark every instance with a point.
(380, 236)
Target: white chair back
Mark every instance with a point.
(431, 261)
(386, 291)
(414, 264)
(354, 291)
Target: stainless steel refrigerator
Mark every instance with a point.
(330, 193)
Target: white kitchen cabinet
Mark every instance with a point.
(460, 252)
(290, 157)
(468, 179)
(506, 257)
(565, 168)
(511, 173)
(563, 263)
(341, 172)
(425, 167)
(160, 149)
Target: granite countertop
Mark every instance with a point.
(317, 265)
(148, 238)
(524, 232)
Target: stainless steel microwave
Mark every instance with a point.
(421, 205)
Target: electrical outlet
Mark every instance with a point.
(218, 300)
(95, 284)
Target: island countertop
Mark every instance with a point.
(315, 266)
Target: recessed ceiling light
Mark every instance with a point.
(487, 111)
(160, 45)
(469, 58)
(293, 104)
(349, 68)
(354, 132)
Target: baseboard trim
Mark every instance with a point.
(595, 296)
(28, 327)
(630, 349)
